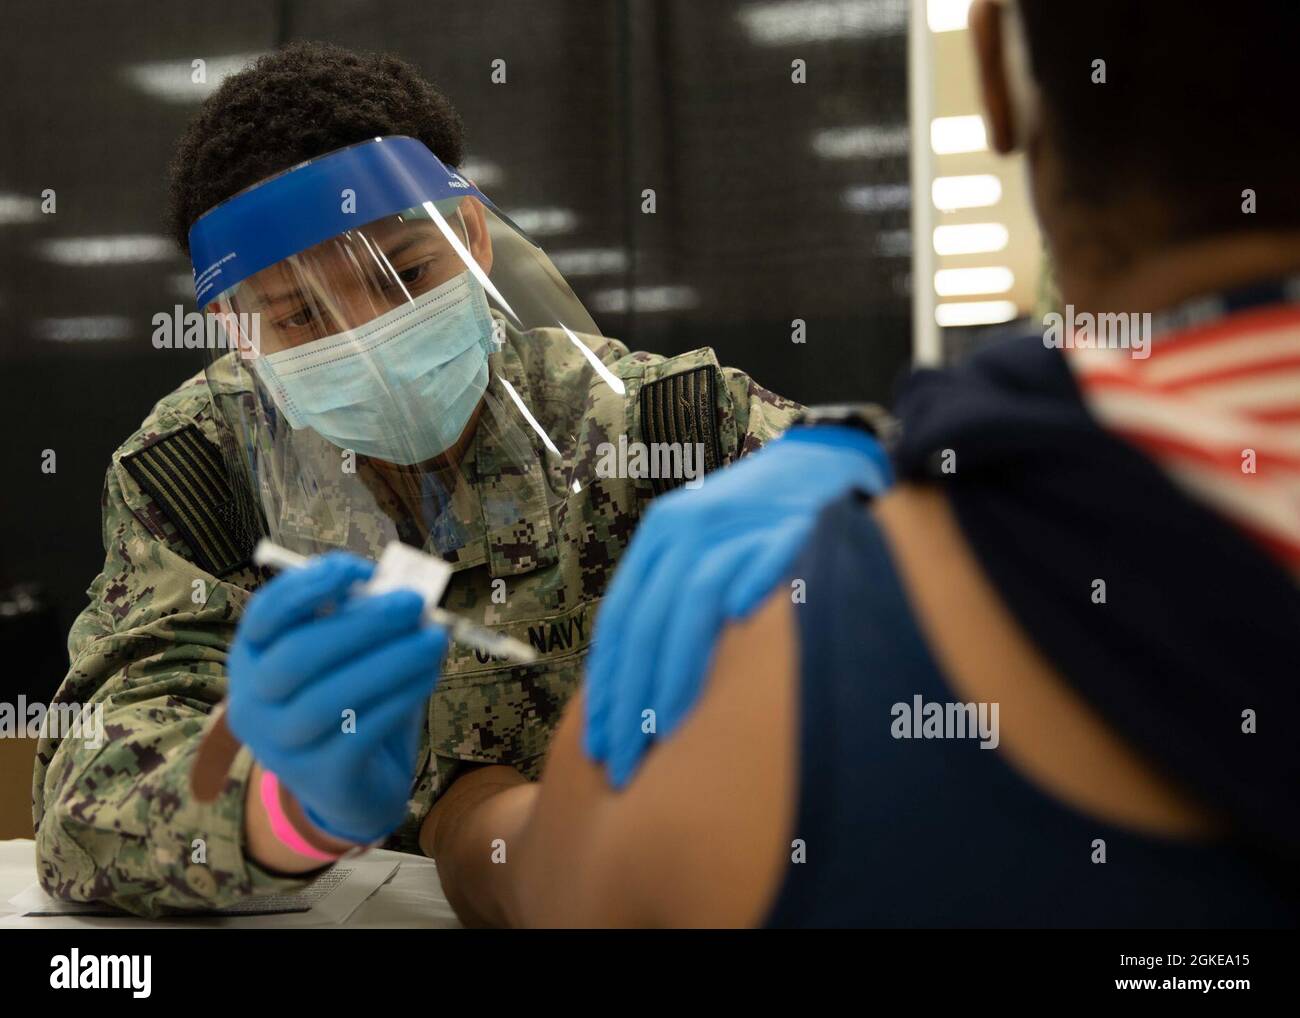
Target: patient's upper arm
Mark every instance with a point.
(701, 835)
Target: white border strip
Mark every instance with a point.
(927, 348)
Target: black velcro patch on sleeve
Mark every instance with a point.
(184, 474)
(682, 410)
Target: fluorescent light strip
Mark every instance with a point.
(589, 261)
(173, 80)
(868, 142)
(968, 282)
(644, 299)
(81, 329)
(970, 238)
(544, 222)
(878, 197)
(954, 135)
(947, 15)
(894, 243)
(485, 175)
(123, 249)
(977, 190)
(976, 312)
(795, 21)
(19, 208)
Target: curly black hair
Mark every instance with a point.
(299, 102)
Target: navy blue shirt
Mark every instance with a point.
(941, 832)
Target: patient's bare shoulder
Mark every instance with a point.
(700, 836)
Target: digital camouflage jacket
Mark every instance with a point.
(116, 822)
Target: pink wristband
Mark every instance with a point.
(282, 827)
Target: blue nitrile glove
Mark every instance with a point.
(699, 559)
(305, 652)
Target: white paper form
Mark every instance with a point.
(328, 900)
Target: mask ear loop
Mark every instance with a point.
(1021, 88)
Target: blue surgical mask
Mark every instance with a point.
(401, 388)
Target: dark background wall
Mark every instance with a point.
(776, 201)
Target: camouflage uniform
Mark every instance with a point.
(118, 823)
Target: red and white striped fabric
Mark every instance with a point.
(1218, 407)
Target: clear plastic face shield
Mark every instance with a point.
(384, 334)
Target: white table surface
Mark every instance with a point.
(413, 898)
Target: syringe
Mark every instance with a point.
(462, 630)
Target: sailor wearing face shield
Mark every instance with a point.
(401, 363)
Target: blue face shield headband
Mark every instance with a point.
(312, 202)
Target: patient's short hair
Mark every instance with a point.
(1198, 105)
